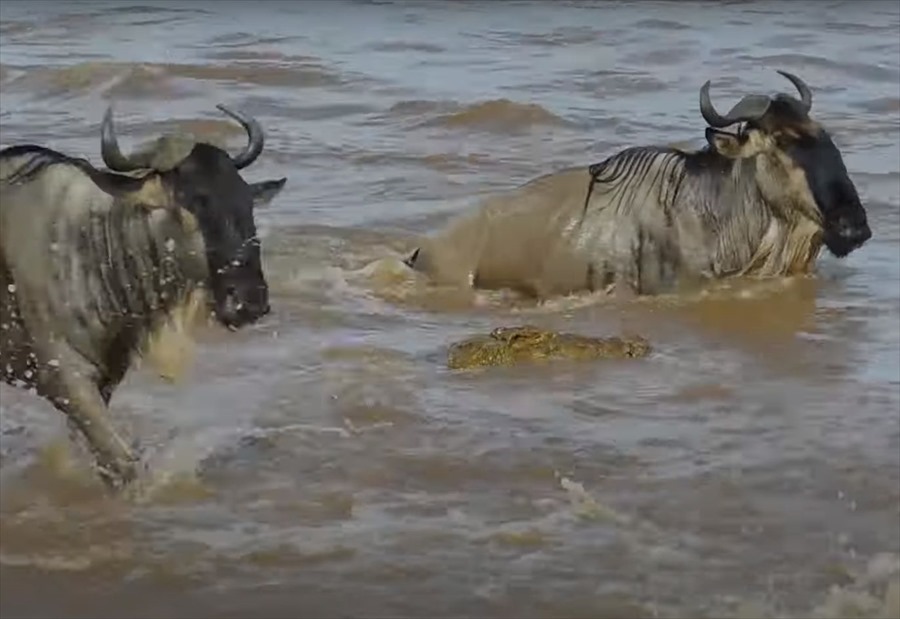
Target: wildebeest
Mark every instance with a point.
(757, 202)
(94, 263)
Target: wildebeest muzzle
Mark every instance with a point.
(846, 231)
(241, 297)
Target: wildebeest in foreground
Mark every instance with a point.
(757, 202)
(93, 263)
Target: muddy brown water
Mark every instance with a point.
(324, 463)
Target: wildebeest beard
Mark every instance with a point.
(844, 221)
(808, 148)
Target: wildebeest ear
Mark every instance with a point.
(725, 143)
(266, 190)
(745, 144)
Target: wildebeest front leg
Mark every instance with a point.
(73, 391)
(116, 462)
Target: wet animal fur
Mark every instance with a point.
(99, 271)
(644, 220)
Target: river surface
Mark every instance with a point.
(325, 463)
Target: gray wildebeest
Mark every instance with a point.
(760, 202)
(94, 263)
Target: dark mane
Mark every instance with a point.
(623, 161)
(43, 157)
(627, 161)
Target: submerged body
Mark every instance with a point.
(563, 233)
(761, 203)
(94, 264)
(513, 345)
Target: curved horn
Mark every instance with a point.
(751, 107)
(710, 115)
(109, 147)
(802, 88)
(255, 134)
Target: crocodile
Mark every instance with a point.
(506, 346)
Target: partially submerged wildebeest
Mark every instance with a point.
(757, 202)
(94, 263)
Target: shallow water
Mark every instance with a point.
(324, 463)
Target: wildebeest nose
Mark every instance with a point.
(863, 234)
(853, 229)
(856, 232)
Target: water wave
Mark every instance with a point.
(406, 46)
(889, 105)
(245, 39)
(164, 81)
(872, 592)
(661, 24)
(420, 107)
(447, 163)
(660, 57)
(119, 80)
(11, 27)
(497, 115)
(262, 55)
(612, 84)
(851, 70)
(557, 38)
